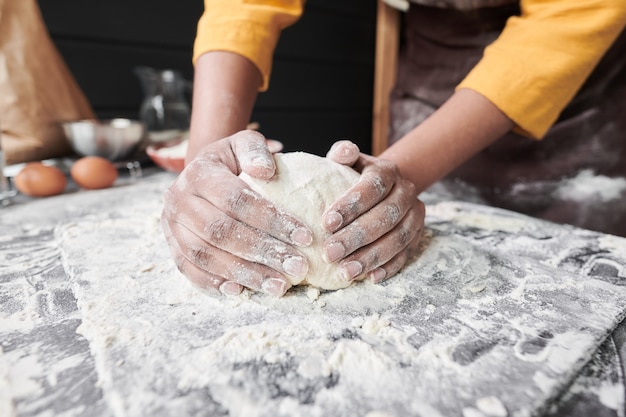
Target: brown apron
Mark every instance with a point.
(575, 175)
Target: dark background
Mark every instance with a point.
(321, 88)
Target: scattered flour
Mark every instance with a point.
(6, 388)
(544, 382)
(586, 185)
(612, 396)
(491, 406)
(408, 347)
(457, 213)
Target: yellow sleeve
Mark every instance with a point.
(543, 57)
(247, 27)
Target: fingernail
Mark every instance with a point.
(334, 252)
(230, 288)
(296, 266)
(275, 286)
(302, 236)
(378, 275)
(333, 221)
(350, 270)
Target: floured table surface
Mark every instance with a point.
(499, 315)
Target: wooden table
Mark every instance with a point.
(70, 347)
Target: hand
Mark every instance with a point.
(378, 224)
(224, 236)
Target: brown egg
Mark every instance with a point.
(93, 172)
(39, 180)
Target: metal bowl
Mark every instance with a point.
(114, 139)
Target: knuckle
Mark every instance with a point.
(387, 166)
(393, 213)
(355, 237)
(238, 200)
(219, 231)
(405, 236)
(374, 260)
(377, 183)
(413, 248)
(407, 190)
(200, 256)
(191, 169)
(268, 251)
(411, 189)
(255, 141)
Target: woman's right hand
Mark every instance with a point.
(223, 236)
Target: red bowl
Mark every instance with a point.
(169, 155)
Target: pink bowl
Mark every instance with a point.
(169, 156)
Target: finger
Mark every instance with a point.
(234, 198)
(254, 156)
(372, 225)
(232, 236)
(377, 179)
(216, 264)
(207, 282)
(383, 250)
(344, 152)
(396, 263)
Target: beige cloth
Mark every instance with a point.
(37, 90)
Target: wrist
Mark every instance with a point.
(463, 126)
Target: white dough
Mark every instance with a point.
(305, 185)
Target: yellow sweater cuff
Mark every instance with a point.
(247, 28)
(542, 58)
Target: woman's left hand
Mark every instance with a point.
(378, 223)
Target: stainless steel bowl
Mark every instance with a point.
(114, 139)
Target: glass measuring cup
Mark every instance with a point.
(164, 109)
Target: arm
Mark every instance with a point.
(543, 57)
(524, 80)
(225, 89)
(227, 79)
(233, 52)
(465, 124)
(223, 236)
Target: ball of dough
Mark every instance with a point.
(305, 185)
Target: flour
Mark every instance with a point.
(22, 377)
(305, 185)
(544, 382)
(176, 151)
(483, 220)
(612, 243)
(417, 345)
(491, 406)
(612, 396)
(588, 186)
(6, 391)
